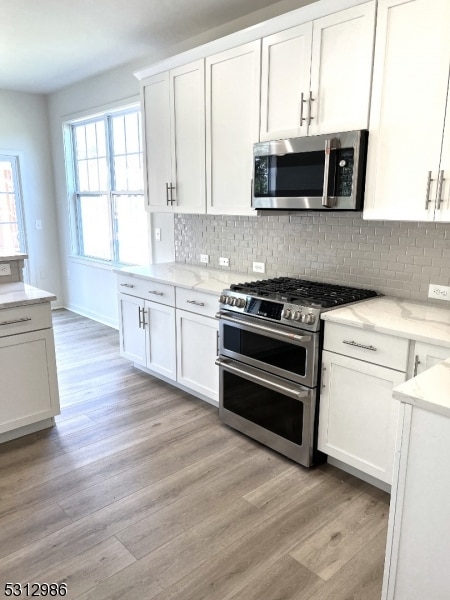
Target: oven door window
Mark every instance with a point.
(271, 410)
(276, 353)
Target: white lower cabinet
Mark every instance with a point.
(197, 338)
(427, 356)
(358, 417)
(175, 337)
(147, 334)
(29, 387)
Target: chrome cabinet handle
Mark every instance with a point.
(323, 376)
(427, 196)
(217, 342)
(310, 101)
(127, 285)
(156, 293)
(439, 189)
(416, 364)
(302, 102)
(352, 343)
(140, 318)
(14, 321)
(195, 302)
(267, 380)
(167, 193)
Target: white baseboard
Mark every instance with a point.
(90, 314)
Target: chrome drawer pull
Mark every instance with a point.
(352, 343)
(155, 293)
(128, 285)
(195, 302)
(427, 194)
(22, 320)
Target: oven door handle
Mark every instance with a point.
(267, 381)
(283, 335)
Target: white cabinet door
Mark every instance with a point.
(285, 75)
(427, 356)
(160, 339)
(443, 193)
(358, 417)
(408, 106)
(29, 389)
(187, 107)
(232, 127)
(131, 330)
(341, 70)
(196, 353)
(156, 119)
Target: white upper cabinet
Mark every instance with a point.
(174, 117)
(316, 76)
(443, 189)
(285, 76)
(232, 127)
(156, 119)
(409, 96)
(341, 70)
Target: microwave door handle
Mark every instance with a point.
(327, 201)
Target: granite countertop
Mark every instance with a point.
(189, 276)
(403, 318)
(429, 390)
(19, 293)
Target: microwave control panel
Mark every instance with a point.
(345, 172)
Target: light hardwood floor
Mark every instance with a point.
(139, 492)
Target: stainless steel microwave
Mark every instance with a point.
(322, 172)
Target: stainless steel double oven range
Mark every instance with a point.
(270, 345)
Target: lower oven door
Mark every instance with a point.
(276, 412)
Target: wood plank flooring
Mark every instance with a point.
(139, 492)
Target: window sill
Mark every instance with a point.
(95, 263)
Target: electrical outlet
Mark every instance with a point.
(224, 262)
(157, 234)
(204, 258)
(5, 269)
(38, 224)
(259, 267)
(439, 292)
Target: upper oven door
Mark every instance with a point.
(318, 172)
(288, 353)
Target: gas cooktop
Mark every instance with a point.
(290, 301)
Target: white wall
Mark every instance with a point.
(24, 129)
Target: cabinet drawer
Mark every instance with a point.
(197, 302)
(373, 347)
(21, 319)
(148, 289)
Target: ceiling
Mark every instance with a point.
(48, 44)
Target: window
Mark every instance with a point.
(111, 220)
(12, 229)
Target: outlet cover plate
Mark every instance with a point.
(224, 262)
(204, 258)
(5, 269)
(439, 292)
(259, 267)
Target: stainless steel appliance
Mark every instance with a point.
(270, 343)
(322, 172)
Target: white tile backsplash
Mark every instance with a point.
(395, 258)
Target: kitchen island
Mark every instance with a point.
(29, 398)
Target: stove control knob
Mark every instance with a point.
(297, 315)
(229, 300)
(309, 319)
(287, 313)
(240, 302)
(222, 299)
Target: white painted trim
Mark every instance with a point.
(290, 19)
(91, 314)
(95, 111)
(359, 474)
(26, 430)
